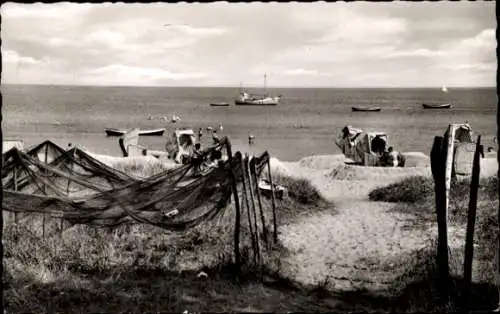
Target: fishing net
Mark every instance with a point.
(46, 151)
(175, 199)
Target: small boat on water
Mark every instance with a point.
(219, 104)
(247, 99)
(369, 109)
(118, 132)
(436, 106)
(444, 105)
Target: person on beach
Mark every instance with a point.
(251, 139)
(200, 134)
(390, 157)
(197, 159)
(378, 145)
(215, 137)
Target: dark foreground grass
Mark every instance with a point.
(143, 268)
(416, 197)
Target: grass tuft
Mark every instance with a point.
(415, 196)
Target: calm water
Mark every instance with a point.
(304, 124)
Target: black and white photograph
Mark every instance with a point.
(267, 157)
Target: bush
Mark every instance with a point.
(414, 189)
(300, 190)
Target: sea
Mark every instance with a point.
(305, 123)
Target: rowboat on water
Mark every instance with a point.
(118, 132)
(370, 109)
(436, 106)
(219, 104)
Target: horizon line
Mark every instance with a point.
(234, 86)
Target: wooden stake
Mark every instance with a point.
(450, 145)
(237, 221)
(471, 220)
(250, 187)
(249, 215)
(438, 172)
(498, 216)
(15, 189)
(44, 192)
(273, 202)
(257, 191)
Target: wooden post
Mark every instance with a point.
(250, 186)
(438, 172)
(273, 202)
(257, 191)
(44, 191)
(449, 153)
(498, 216)
(249, 215)
(471, 220)
(15, 189)
(237, 221)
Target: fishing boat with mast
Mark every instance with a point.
(247, 99)
(444, 105)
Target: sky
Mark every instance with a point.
(360, 44)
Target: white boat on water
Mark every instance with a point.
(247, 99)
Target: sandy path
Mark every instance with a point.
(357, 247)
(353, 248)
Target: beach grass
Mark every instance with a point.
(141, 267)
(415, 197)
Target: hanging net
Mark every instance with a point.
(76, 187)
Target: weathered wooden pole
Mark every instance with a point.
(449, 153)
(250, 186)
(498, 213)
(257, 191)
(61, 227)
(273, 202)
(237, 220)
(249, 215)
(15, 189)
(438, 173)
(471, 220)
(44, 191)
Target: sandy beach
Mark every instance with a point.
(357, 247)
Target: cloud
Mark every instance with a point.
(326, 44)
(10, 56)
(300, 72)
(131, 75)
(40, 10)
(197, 31)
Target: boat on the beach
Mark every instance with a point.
(219, 104)
(151, 132)
(436, 106)
(265, 189)
(247, 99)
(367, 109)
(366, 148)
(180, 146)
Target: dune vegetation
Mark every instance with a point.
(141, 268)
(144, 268)
(415, 197)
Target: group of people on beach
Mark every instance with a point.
(215, 136)
(388, 156)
